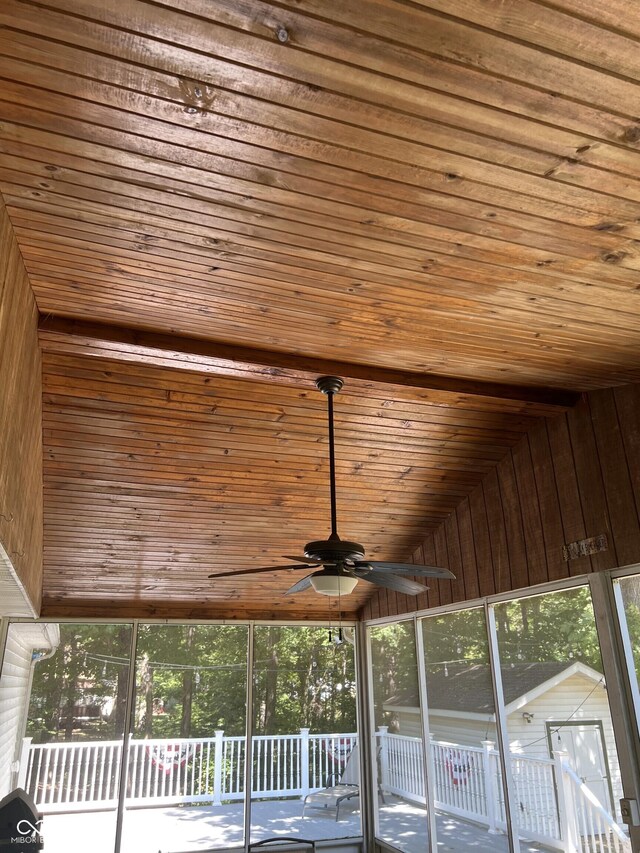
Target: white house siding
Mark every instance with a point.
(15, 686)
(14, 690)
(460, 731)
(407, 722)
(567, 701)
(14, 600)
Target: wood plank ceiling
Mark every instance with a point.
(449, 187)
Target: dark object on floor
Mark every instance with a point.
(20, 823)
(284, 840)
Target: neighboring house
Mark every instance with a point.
(549, 706)
(26, 644)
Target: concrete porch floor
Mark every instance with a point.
(178, 829)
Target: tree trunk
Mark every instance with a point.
(71, 673)
(271, 679)
(123, 645)
(146, 677)
(187, 686)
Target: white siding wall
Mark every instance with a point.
(409, 723)
(14, 601)
(14, 690)
(463, 732)
(562, 703)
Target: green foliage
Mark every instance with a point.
(394, 667)
(302, 680)
(558, 626)
(630, 587)
(190, 681)
(457, 637)
(87, 671)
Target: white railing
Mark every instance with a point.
(589, 824)
(536, 805)
(401, 766)
(74, 774)
(552, 806)
(161, 771)
(461, 783)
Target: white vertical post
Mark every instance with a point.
(428, 764)
(384, 757)
(23, 762)
(305, 765)
(621, 681)
(433, 746)
(248, 756)
(567, 817)
(490, 785)
(218, 757)
(504, 750)
(366, 737)
(122, 768)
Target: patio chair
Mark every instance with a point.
(334, 795)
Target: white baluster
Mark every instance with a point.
(109, 776)
(569, 832)
(102, 759)
(384, 757)
(54, 776)
(489, 785)
(305, 783)
(94, 772)
(70, 773)
(217, 767)
(134, 760)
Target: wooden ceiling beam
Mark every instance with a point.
(58, 607)
(117, 343)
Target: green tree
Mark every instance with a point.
(302, 680)
(394, 667)
(86, 675)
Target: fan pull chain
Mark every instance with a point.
(337, 639)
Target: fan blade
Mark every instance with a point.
(305, 583)
(255, 571)
(407, 569)
(393, 582)
(311, 560)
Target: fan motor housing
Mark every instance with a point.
(333, 551)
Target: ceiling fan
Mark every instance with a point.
(341, 563)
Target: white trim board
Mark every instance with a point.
(14, 600)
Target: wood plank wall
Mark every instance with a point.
(571, 477)
(20, 418)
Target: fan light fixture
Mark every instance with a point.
(330, 584)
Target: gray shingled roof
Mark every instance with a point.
(468, 688)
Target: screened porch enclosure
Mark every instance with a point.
(195, 697)
(480, 723)
(72, 778)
